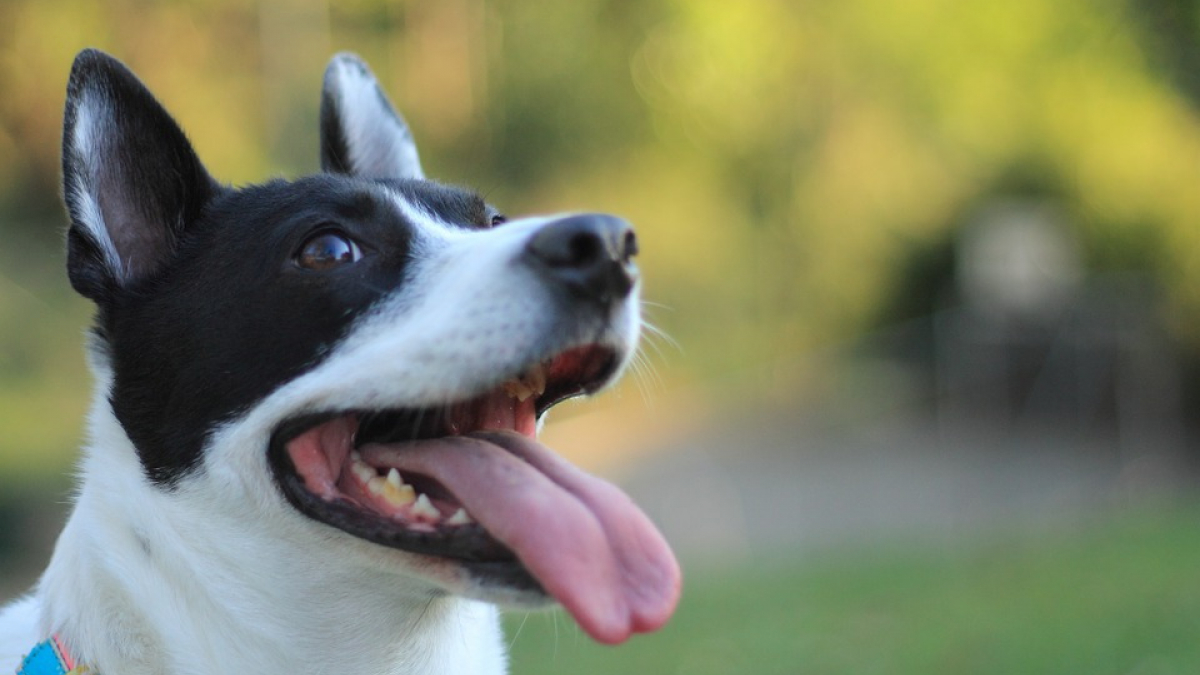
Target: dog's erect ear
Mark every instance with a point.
(131, 180)
(361, 133)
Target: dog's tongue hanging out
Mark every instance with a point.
(581, 537)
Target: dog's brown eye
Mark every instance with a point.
(498, 220)
(327, 250)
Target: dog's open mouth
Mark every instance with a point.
(469, 482)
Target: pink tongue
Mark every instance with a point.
(582, 538)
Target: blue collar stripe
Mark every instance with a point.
(44, 659)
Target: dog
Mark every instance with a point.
(312, 445)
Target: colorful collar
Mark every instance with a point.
(50, 657)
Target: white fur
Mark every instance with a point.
(87, 142)
(222, 575)
(380, 144)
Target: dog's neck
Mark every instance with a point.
(199, 603)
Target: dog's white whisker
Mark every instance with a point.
(639, 369)
(657, 305)
(517, 633)
(655, 334)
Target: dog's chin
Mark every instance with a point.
(405, 477)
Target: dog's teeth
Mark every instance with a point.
(391, 489)
(516, 389)
(536, 380)
(398, 495)
(460, 517)
(362, 471)
(424, 508)
(530, 383)
(375, 484)
(396, 491)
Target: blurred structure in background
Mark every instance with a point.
(930, 270)
(1035, 341)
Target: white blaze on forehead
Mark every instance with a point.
(425, 223)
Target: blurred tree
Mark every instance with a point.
(782, 158)
(1169, 29)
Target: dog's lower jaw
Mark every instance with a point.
(200, 609)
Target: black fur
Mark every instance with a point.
(233, 316)
(142, 146)
(335, 154)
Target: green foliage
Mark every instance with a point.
(1118, 597)
(784, 161)
(43, 390)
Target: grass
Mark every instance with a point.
(1119, 597)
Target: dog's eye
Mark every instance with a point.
(327, 250)
(498, 220)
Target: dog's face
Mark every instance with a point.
(362, 354)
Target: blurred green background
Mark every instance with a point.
(923, 391)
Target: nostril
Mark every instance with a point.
(630, 247)
(583, 249)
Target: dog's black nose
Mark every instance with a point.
(591, 254)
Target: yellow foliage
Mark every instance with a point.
(780, 158)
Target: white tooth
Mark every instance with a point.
(425, 508)
(375, 485)
(460, 517)
(362, 471)
(393, 477)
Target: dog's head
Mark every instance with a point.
(360, 357)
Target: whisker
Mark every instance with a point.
(372, 287)
(641, 373)
(654, 334)
(554, 618)
(657, 305)
(517, 634)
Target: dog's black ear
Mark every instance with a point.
(361, 133)
(131, 181)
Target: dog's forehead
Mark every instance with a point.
(420, 204)
(430, 204)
